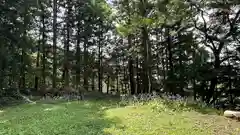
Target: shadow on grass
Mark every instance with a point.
(64, 118)
(12, 104)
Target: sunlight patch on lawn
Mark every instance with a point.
(54, 108)
(103, 108)
(87, 104)
(141, 120)
(3, 121)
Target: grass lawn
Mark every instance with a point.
(109, 118)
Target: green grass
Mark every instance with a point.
(109, 118)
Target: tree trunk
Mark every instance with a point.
(100, 74)
(202, 90)
(147, 74)
(170, 61)
(125, 77)
(108, 83)
(230, 95)
(131, 69)
(214, 80)
(139, 89)
(23, 51)
(10, 81)
(2, 69)
(93, 81)
(117, 87)
(164, 70)
(66, 68)
(194, 90)
(181, 92)
(78, 58)
(14, 74)
(146, 62)
(43, 47)
(194, 76)
(85, 76)
(54, 43)
(22, 72)
(37, 63)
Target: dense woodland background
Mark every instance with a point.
(185, 47)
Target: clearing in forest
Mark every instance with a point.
(110, 118)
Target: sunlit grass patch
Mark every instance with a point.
(1, 111)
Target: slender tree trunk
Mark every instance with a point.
(43, 47)
(131, 69)
(66, 68)
(202, 91)
(194, 78)
(194, 90)
(78, 57)
(23, 56)
(99, 63)
(147, 82)
(14, 73)
(122, 87)
(36, 76)
(146, 63)
(2, 65)
(130, 59)
(181, 92)
(108, 83)
(117, 87)
(163, 59)
(10, 81)
(214, 80)
(38, 62)
(160, 62)
(170, 59)
(230, 95)
(139, 89)
(93, 81)
(22, 76)
(164, 70)
(85, 76)
(159, 69)
(131, 77)
(64, 51)
(54, 44)
(125, 78)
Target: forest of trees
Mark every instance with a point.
(185, 47)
